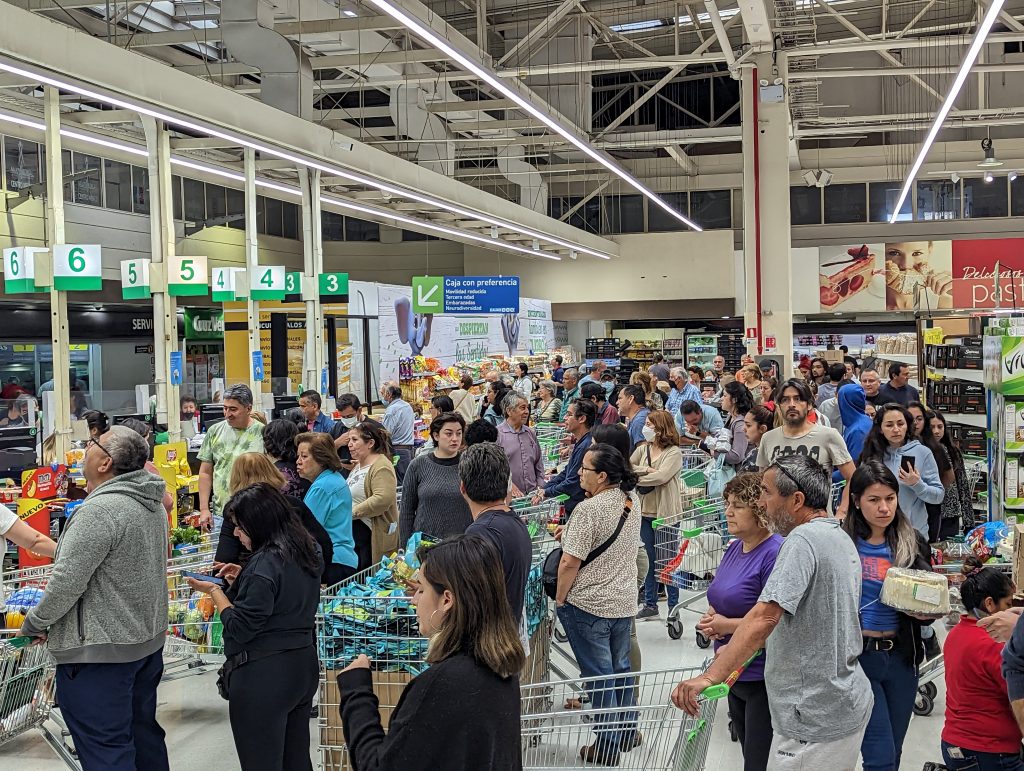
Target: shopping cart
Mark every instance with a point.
(195, 639)
(538, 517)
(837, 494)
(693, 477)
(640, 702)
(688, 549)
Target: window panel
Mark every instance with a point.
(711, 209)
(290, 221)
(117, 185)
(332, 226)
(1017, 197)
(236, 209)
(624, 213)
(985, 199)
(805, 205)
(21, 161)
(413, 235)
(216, 204)
(846, 203)
(660, 221)
(938, 199)
(361, 230)
(274, 216)
(194, 193)
(140, 190)
(176, 196)
(88, 187)
(883, 197)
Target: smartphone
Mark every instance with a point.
(907, 463)
(204, 577)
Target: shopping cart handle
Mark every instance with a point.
(562, 498)
(714, 692)
(657, 522)
(693, 532)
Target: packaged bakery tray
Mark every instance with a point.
(920, 592)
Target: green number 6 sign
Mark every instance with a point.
(77, 267)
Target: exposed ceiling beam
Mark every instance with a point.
(677, 154)
(553, 22)
(367, 58)
(176, 37)
(720, 31)
(644, 98)
(218, 68)
(879, 72)
(894, 44)
(583, 201)
(324, 26)
(98, 117)
(757, 23)
(58, 5)
(201, 143)
(471, 105)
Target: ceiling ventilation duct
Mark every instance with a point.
(434, 151)
(533, 190)
(286, 79)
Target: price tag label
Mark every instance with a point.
(77, 268)
(267, 282)
(135, 279)
(333, 284)
(186, 276)
(20, 270)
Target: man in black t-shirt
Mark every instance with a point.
(484, 476)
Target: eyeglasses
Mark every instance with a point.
(587, 468)
(789, 476)
(95, 443)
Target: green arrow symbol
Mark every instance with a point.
(424, 297)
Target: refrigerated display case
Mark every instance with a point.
(701, 350)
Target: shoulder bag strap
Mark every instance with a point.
(611, 539)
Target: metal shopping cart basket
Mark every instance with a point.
(195, 640)
(688, 549)
(670, 740)
(693, 477)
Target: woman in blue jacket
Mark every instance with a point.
(913, 464)
(330, 500)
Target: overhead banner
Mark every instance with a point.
(450, 339)
(909, 275)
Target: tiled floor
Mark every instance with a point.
(199, 737)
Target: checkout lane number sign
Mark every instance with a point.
(135, 279)
(77, 268)
(187, 276)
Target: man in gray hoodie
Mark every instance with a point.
(104, 612)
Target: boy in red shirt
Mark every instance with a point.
(974, 681)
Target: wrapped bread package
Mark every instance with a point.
(920, 592)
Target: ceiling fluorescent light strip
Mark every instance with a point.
(331, 170)
(431, 37)
(954, 91)
(293, 191)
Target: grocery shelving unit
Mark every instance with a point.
(701, 349)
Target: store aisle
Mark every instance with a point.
(199, 738)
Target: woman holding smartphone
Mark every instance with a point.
(891, 441)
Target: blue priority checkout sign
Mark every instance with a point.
(481, 294)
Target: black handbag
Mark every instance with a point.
(647, 489)
(549, 577)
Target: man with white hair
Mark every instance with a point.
(682, 390)
(104, 612)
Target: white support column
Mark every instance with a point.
(59, 333)
(252, 260)
(162, 245)
(313, 266)
(766, 236)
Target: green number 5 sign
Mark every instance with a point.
(77, 268)
(187, 276)
(135, 279)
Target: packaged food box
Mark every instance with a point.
(916, 591)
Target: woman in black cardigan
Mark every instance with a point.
(893, 648)
(463, 712)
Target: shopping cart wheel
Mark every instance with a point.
(923, 705)
(674, 627)
(702, 641)
(929, 690)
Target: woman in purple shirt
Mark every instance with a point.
(748, 561)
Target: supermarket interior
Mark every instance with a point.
(430, 384)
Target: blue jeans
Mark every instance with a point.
(894, 686)
(601, 647)
(973, 760)
(110, 710)
(666, 540)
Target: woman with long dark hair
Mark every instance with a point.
(737, 401)
(493, 397)
(279, 444)
(758, 421)
(957, 506)
(597, 601)
(891, 441)
(462, 712)
(269, 618)
(892, 640)
(922, 433)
